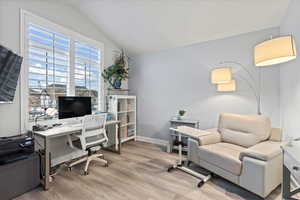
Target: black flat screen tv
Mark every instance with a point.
(69, 107)
(10, 67)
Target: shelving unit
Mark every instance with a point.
(123, 108)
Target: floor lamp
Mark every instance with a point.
(267, 53)
(225, 82)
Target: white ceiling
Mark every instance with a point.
(149, 25)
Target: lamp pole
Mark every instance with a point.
(254, 88)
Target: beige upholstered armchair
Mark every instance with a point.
(244, 149)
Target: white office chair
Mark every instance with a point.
(91, 139)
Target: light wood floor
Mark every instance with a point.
(138, 174)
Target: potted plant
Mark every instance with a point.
(181, 113)
(116, 73)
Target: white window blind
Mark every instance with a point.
(48, 59)
(87, 72)
(59, 65)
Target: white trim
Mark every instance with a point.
(154, 141)
(28, 17)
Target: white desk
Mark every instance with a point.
(64, 131)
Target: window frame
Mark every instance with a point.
(26, 18)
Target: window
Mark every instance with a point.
(87, 73)
(48, 74)
(58, 62)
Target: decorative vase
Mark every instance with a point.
(117, 84)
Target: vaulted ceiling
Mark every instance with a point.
(149, 25)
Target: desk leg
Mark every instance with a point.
(180, 148)
(119, 138)
(286, 185)
(286, 188)
(46, 164)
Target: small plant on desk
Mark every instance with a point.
(181, 113)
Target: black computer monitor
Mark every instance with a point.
(69, 107)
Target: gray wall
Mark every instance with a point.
(290, 75)
(169, 80)
(10, 37)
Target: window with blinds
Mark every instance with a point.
(87, 72)
(58, 65)
(49, 66)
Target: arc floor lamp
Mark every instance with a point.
(270, 52)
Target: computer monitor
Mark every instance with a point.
(71, 107)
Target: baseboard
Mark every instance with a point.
(160, 142)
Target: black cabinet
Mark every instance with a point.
(19, 177)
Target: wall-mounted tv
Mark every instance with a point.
(10, 66)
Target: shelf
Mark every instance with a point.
(127, 111)
(177, 148)
(128, 124)
(123, 97)
(123, 107)
(127, 138)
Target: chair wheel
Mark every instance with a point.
(200, 184)
(85, 173)
(106, 165)
(70, 169)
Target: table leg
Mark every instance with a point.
(119, 138)
(180, 148)
(286, 185)
(46, 164)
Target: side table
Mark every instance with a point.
(291, 170)
(173, 139)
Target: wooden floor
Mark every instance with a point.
(138, 174)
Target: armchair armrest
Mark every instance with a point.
(276, 134)
(213, 138)
(264, 151)
(204, 137)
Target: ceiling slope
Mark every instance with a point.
(142, 26)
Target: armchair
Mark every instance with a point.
(244, 149)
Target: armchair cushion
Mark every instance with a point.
(263, 151)
(223, 155)
(239, 138)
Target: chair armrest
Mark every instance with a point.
(276, 134)
(204, 137)
(263, 151)
(212, 138)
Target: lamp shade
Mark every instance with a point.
(227, 87)
(275, 51)
(221, 75)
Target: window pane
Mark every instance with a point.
(87, 68)
(48, 56)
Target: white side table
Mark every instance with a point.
(291, 170)
(173, 139)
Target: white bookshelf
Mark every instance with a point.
(123, 108)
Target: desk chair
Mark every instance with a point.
(91, 139)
